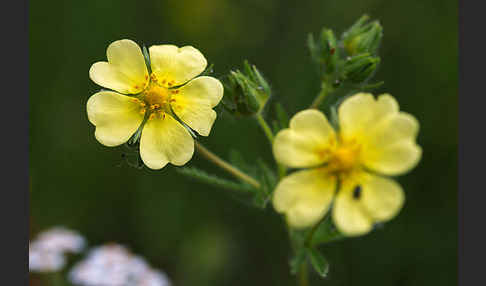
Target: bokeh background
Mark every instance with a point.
(198, 234)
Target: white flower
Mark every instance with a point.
(46, 252)
(44, 260)
(114, 265)
(62, 240)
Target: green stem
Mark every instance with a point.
(265, 127)
(225, 165)
(282, 170)
(321, 96)
(308, 241)
(303, 275)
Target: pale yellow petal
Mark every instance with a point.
(304, 196)
(125, 70)
(194, 103)
(307, 142)
(365, 200)
(115, 116)
(382, 197)
(360, 112)
(174, 66)
(390, 146)
(164, 140)
(349, 214)
(386, 135)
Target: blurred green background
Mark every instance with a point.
(198, 234)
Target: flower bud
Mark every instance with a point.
(324, 51)
(363, 37)
(360, 68)
(247, 92)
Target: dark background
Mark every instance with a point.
(198, 234)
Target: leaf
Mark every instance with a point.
(268, 180)
(318, 262)
(282, 115)
(237, 160)
(326, 232)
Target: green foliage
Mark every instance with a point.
(326, 232)
(351, 61)
(282, 120)
(246, 92)
(318, 262)
(363, 37)
(359, 68)
(262, 172)
(204, 177)
(324, 51)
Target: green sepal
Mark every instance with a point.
(318, 262)
(324, 52)
(360, 68)
(246, 92)
(362, 37)
(326, 232)
(146, 56)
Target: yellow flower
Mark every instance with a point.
(171, 91)
(374, 140)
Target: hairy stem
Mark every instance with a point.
(303, 275)
(225, 165)
(265, 127)
(282, 170)
(321, 96)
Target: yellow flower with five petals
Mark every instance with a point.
(374, 140)
(171, 91)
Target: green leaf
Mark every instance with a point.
(268, 180)
(326, 232)
(282, 115)
(318, 262)
(236, 159)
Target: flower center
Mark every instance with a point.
(345, 157)
(156, 97)
(157, 100)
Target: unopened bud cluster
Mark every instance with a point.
(246, 92)
(352, 59)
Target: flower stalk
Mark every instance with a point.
(225, 165)
(320, 97)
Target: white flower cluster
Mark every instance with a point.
(47, 251)
(114, 265)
